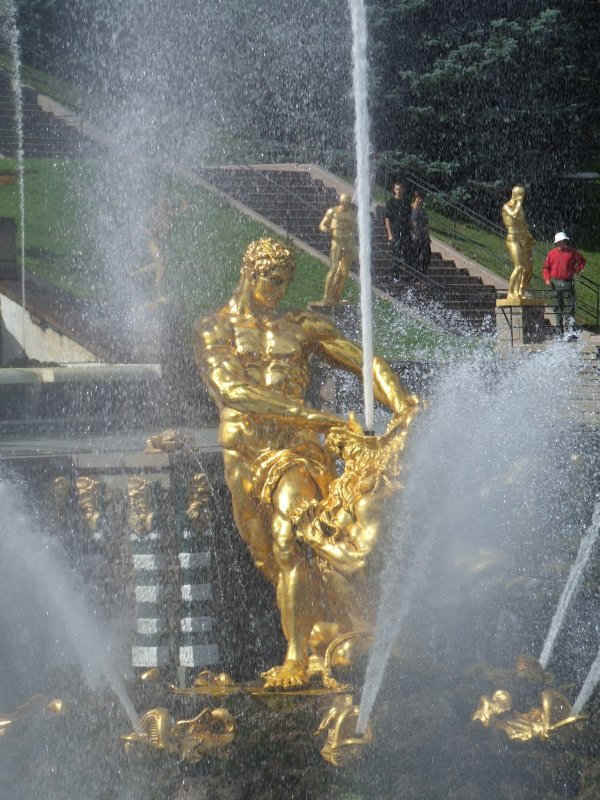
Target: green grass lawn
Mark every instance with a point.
(75, 213)
(69, 95)
(489, 250)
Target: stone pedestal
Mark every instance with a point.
(519, 322)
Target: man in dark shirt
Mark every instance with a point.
(398, 224)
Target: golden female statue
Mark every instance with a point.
(255, 362)
(340, 222)
(519, 243)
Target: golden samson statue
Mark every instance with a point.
(288, 502)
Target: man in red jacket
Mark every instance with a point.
(560, 267)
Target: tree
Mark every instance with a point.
(477, 96)
(262, 71)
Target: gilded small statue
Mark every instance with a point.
(519, 243)
(255, 363)
(340, 222)
(158, 231)
(537, 723)
(89, 494)
(198, 503)
(188, 739)
(140, 516)
(343, 745)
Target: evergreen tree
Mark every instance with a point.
(480, 96)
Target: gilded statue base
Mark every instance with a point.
(214, 729)
(519, 302)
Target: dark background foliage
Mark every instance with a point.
(472, 95)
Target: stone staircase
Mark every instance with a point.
(588, 394)
(44, 134)
(295, 201)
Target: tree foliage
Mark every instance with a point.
(260, 69)
(473, 95)
(480, 96)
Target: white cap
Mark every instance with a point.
(561, 236)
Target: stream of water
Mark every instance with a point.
(572, 585)
(363, 191)
(13, 34)
(41, 602)
(485, 487)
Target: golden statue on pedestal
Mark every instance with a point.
(284, 488)
(519, 243)
(340, 222)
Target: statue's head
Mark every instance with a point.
(345, 200)
(518, 193)
(268, 267)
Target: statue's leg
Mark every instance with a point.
(329, 291)
(339, 278)
(514, 281)
(295, 595)
(252, 520)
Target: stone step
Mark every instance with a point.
(294, 201)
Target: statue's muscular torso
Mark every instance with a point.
(273, 353)
(257, 369)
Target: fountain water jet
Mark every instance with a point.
(590, 683)
(361, 127)
(487, 468)
(571, 587)
(33, 571)
(13, 36)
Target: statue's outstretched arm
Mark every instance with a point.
(341, 352)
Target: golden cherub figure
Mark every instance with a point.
(255, 363)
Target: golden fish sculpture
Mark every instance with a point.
(188, 739)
